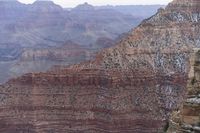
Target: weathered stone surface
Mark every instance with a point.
(132, 87)
(187, 119)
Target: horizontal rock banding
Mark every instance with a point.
(127, 88)
(59, 106)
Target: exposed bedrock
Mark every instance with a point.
(187, 118)
(129, 88)
(90, 101)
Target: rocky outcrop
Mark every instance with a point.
(187, 119)
(187, 5)
(132, 87)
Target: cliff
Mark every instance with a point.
(131, 87)
(187, 118)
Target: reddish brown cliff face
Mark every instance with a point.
(91, 100)
(129, 88)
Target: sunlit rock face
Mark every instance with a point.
(129, 88)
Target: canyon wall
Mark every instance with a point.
(187, 118)
(131, 87)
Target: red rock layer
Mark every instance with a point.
(129, 88)
(90, 101)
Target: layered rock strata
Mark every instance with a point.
(132, 87)
(187, 119)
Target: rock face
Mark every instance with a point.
(187, 119)
(132, 87)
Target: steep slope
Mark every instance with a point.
(131, 87)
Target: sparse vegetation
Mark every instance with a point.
(193, 81)
(166, 127)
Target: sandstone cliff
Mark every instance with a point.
(129, 88)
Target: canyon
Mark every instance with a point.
(133, 86)
(44, 25)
